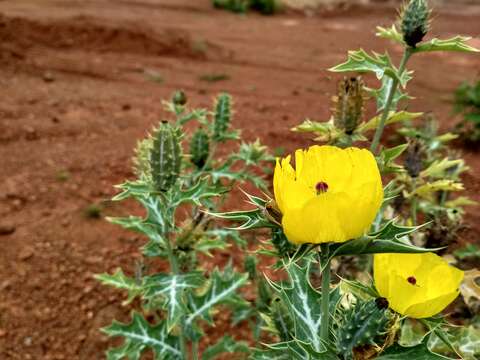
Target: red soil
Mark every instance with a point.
(77, 93)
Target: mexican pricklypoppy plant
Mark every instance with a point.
(332, 195)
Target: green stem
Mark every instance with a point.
(414, 202)
(176, 270)
(391, 95)
(325, 270)
(195, 350)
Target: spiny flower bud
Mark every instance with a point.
(414, 21)
(199, 148)
(349, 104)
(165, 156)
(179, 98)
(363, 324)
(222, 116)
(413, 159)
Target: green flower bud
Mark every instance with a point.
(363, 324)
(199, 148)
(414, 21)
(165, 156)
(222, 116)
(179, 98)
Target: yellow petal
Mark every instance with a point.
(381, 274)
(319, 221)
(289, 194)
(402, 294)
(430, 307)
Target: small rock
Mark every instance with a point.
(25, 254)
(126, 107)
(6, 229)
(48, 77)
(30, 133)
(3, 332)
(27, 341)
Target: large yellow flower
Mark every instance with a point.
(416, 285)
(332, 195)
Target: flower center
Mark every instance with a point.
(321, 187)
(412, 280)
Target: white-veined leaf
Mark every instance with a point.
(172, 288)
(139, 336)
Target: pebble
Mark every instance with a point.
(48, 77)
(25, 254)
(6, 229)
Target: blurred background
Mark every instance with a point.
(82, 80)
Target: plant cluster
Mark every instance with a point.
(467, 103)
(265, 7)
(329, 205)
(177, 190)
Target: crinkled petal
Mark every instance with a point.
(289, 194)
(318, 221)
(430, 307)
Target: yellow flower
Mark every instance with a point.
(416, 285)
(332, 195)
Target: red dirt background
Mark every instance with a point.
(77, 92)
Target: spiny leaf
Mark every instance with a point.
(138, 224)
(133, 189)
(225, 345)
(427, 189)
(392, 230)
(222, 289)
(380, 65)
(303, 303)
(292, 350)
(197, 193)
(419, 352)
(457, 43)
(390, 33)
(139, 336)
(172, 289)
(393, 117)
(438, 167)
(386, 240)
(120, 281)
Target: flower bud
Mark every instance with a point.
(414, 21)
(349, 104)
(222, 116)
(179, 98)
(413, 159)
(199, 148)
(165, 156)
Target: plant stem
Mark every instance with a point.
(391, 95)
(175, 269)
(325, 270)
(195, 350)
(414, 202)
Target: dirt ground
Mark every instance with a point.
(82, 80)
